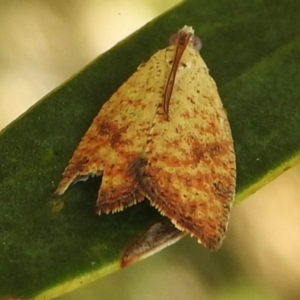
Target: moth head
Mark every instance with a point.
(195, 41)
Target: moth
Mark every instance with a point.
(164, 135)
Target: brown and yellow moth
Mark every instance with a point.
(164, 135)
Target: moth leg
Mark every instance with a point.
(160, 235)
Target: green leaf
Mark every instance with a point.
(51, 245)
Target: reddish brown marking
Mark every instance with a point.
(222, 189)
(117, 136)
(103, 128)
(186, 115)
(197, 152)
(215, 149)
(81, 164)
(173, 144)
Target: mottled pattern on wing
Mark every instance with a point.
(190, 162)
(117, 135)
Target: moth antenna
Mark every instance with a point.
(183, 40)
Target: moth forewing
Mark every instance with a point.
(164, 134)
